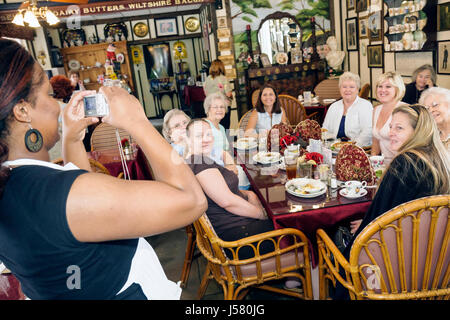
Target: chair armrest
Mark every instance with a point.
(275, 236)
(309, 116)
(332, 259)
(263, 236)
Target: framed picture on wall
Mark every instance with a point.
(443, 50)
(407, 62)
(375, 26)
(352, 34)
(363, 28)
(375, 56)
(350, 5)
(166, 27)
(443, 16)
(361, 5)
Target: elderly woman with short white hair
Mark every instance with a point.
(351, 117)
(437, 101)
(216, 105)
(174, 129)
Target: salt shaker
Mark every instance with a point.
(333, 181)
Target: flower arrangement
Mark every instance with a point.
(313, 158)
(125, 143)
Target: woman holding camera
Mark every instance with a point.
(75, 234)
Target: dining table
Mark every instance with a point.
(325, 211)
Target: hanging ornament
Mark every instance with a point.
(179, 50)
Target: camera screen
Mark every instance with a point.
(90, 107)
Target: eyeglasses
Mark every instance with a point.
(180, 125)
(219, 108)
(433, 105)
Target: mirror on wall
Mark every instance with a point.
(279, 32)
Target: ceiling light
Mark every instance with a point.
(29, 13)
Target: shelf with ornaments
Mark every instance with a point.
(409, 25)
(92, 61)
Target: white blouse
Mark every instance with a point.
(358, 121)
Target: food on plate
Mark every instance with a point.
(339, 145)
(267, 157)
(246, 143)
(304, 189)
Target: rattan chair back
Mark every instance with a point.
(242, 125)
(295, 112)
(403, 254)
(255, 95)
(104, 137)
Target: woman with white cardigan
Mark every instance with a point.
(351, 117)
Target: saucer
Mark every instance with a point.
(343, 192)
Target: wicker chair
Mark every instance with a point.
(243, 122)
(403, 254)
(236, 276)
(104, 137)
(190, 247)
(365, 91)
(295, 112)
(255, 96)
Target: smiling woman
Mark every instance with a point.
(389, 92)
(351, 117)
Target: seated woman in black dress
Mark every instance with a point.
(234, 213)
(422, 78)
(421, 168)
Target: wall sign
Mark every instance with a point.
(107, 7)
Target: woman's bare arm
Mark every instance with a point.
(101, 208)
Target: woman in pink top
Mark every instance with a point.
(389, 91)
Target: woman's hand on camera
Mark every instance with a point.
(74, 122)
(125, 111)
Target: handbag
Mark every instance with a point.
(342, 237)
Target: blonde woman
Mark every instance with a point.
(218, 82)
(351, 117)
(389, 92)
(437, 101)
(421, 168)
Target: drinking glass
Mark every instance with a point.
(305, 170)
(290, 160)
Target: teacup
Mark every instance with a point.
(354, 187)
(377, 161)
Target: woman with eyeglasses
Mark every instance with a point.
(216, 107)
(174, 129)
(437, 101)
(422, 78)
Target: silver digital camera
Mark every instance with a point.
(95, 105)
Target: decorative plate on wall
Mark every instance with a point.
(192, 24)
(74, 65)
(140, 29)
(120, 58)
